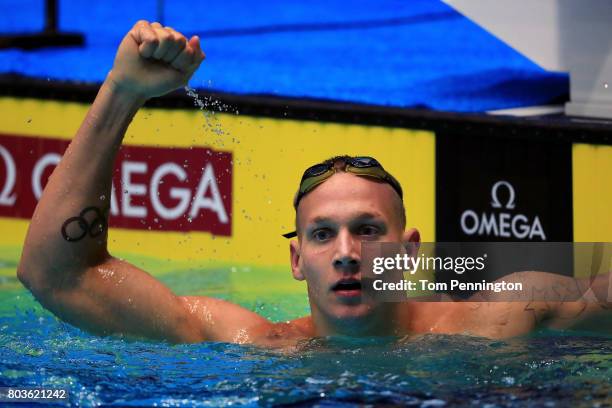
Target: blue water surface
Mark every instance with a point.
(418, 53)
(549, 369)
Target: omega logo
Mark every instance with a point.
(6, 198)
(170, 186)
(495, 203)
(502, 223)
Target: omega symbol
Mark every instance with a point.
(501, 223)
(495, 203)
(6, 198)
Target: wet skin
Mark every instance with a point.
(83, 284)
(333, 222)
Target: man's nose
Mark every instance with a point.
(348, 252)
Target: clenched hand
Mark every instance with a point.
(153, 60)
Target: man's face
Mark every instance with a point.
(334, 219)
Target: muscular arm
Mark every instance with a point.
(583, 304)
(546, 300)
(65, 262)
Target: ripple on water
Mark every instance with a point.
(429, 371)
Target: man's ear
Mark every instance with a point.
(412, 241)
(294, 249)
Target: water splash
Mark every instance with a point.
(205, 104)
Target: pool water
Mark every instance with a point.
(547, 369)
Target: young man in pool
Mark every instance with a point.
(66, 265)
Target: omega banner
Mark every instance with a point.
(500, 189)
(495, 189)
(194, 191)
(171, 189)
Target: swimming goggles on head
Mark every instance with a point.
(361, 166)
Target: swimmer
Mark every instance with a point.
(340, 204)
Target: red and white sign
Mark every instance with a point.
(170, 189)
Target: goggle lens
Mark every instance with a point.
(315, 170)
(364, 161)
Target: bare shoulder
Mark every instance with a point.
(478, 318)
(228, 322)
(546, 299)
(503, 319)
(285, 335)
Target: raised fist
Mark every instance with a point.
(153, 60)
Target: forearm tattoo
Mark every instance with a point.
(91, 221)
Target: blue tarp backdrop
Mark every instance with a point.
(417, 53)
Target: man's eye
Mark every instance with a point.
(369, 230)
(322, 235)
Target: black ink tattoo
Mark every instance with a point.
(91, 221)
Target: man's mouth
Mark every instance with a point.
(347, 287)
